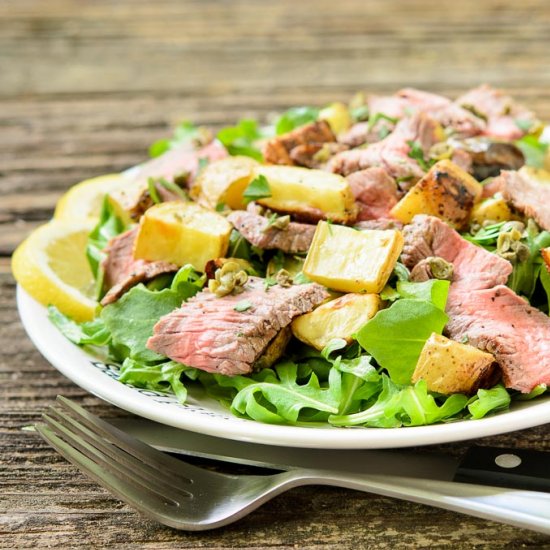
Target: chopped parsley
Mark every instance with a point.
(241, 139)
(243, 305)
(417, 154)
(258, 188)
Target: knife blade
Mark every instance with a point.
(512, 468)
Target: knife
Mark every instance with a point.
(492, 466)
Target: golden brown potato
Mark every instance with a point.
(308, 195)
(451, 367)
(446, 191)
(223, 182)
(338, 117)
(274, 349)
(340, 318)
(494, 209)
(545, 252)
(182, 233)
(348, 260)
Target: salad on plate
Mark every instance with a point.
(383, 263)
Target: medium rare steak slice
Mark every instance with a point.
(528, 195)
(482, 310)
(375, 192)
(499, 321)
(499, 110)
(295, 238)
(208, 333)
(122, 272)
(451, 115)
(392, 153)
(473, 266)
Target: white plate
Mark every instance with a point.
(206, 416)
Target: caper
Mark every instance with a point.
(441, 269)
(283, 278)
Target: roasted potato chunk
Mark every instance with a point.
(274, 349)
(308, 195)
(545, 252)
(223, 182)
(494, 209)
(340, 318)
(182, 233)
(348, 260)
(338, 117)
(451, 367)
(446, 191)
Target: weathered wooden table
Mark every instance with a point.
(86, 86)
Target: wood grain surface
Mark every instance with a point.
(85, 87)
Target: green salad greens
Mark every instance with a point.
(365, 383)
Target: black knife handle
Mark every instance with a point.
(512, 468)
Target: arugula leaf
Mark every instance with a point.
(185, 131)
(258, 188)
(173, 187)
(283, 401)
(187, 282)
(527, 271)
(334, 345)
(108, 226)
(533, 150)
(544, 277)
(486, 401)
(381, 116)
(241, 139)
(381, 414)
(294, 118)
(152, 189)
(130, 320)
(92, 333)
(433, 290)
(421, 408)
(160, 377)
(395, 336)
(417, 154)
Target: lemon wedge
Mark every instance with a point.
(51, 266)
(83, 200)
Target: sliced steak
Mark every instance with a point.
(481, 309)
(178, 164)
(448, 114)
(528, 195)
(279, 150)
(473, 266)
(295, 238)
(363, 132)
(375, 192)
(209, 334)
(498, 110)
(499, 321)
(122, 272)
(392, 153)
(380, 223)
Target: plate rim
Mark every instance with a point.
(45, 337)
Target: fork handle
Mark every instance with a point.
(526, 509)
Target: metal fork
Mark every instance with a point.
(189, 497)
